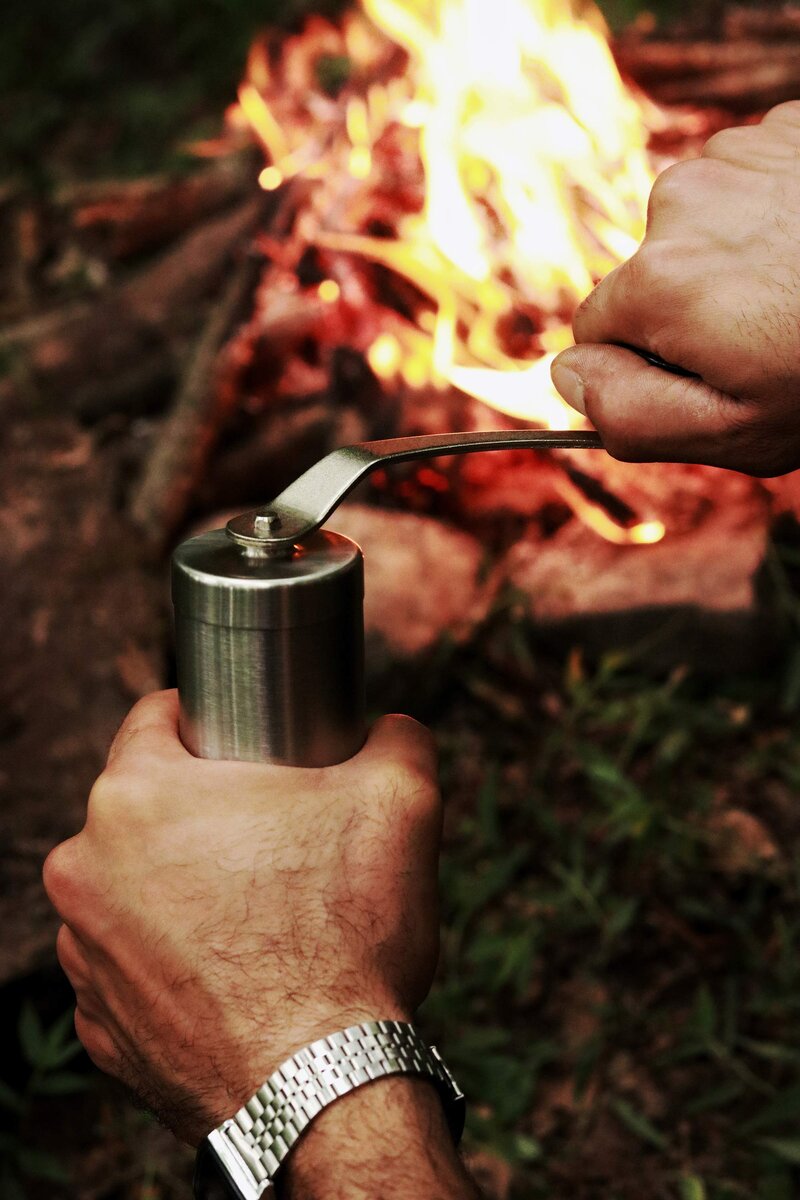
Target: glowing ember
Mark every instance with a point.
(640, 533)
(536, 179)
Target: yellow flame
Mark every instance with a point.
(518, 393)
(263, 123)
(536, 179)
(646, 533)
(270, 179)
(329, 291)
(385, 355)
(642, 533)
(536, 170)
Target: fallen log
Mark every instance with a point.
(745, 77)
(764, 23)
(93, 357)
(162, 496)
(123, 218)
(671, 60)
(761, 88)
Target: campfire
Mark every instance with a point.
(460, 184)
(389, 237)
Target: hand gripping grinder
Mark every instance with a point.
(269, 612)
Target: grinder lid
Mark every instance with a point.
(215, 581)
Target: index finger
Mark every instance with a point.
(619, 309)
(152, 726)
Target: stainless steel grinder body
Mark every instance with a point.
(269, 613)
(270, 649)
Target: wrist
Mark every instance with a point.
(388, 1140)
(400, 1136)
(259, 1058)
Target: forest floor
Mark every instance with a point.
(619, 987)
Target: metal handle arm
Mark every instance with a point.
(303, 506)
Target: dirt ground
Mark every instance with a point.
(84, 620)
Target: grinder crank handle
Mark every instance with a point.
(303, 506)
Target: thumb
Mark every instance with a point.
(646, 414)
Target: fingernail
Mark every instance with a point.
(569, 385)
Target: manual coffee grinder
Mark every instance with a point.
(269, 612)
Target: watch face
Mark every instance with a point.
(211, 1180)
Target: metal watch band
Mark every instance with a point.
(253, 1144)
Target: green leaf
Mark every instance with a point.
(608, 777)
(621, 917)
(31, 1035)
(58, 1056)
(692, 1188)
(787, 1149)
(527, 1148)
(771, 1051)
(63, 1083)
(59, 1043)
(60, 1032)
(638, 1123)
(9, 1098)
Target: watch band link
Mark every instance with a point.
(265, 1129)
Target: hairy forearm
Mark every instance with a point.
(386, 1141)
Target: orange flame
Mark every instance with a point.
(536, 184)
(537, 178)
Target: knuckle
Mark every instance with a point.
(121, 796)
(670, 187)
(593, 311)
(727, 143)
(788, 113)
(143, 707)
(70, 958)
(583, 313)
(641, 282)
(643, 269)
(96, 1042)
(59, 874)
(104, 797)
(64, 947)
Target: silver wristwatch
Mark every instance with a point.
(240, 1159)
